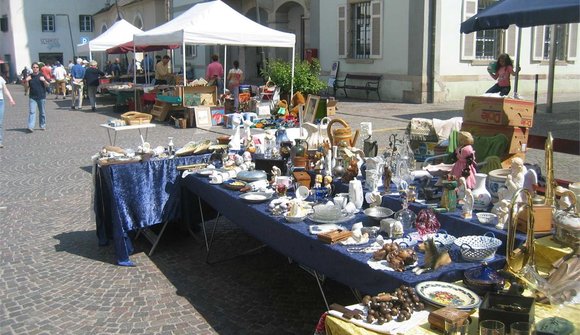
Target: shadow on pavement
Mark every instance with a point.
(260, 293)
(85, 244)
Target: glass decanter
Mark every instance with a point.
(406, 216)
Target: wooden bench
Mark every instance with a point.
(355, 82)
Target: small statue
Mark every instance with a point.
(387, 177)
(449, 198)
(318, 181)
(502, 210)
(351, 171)
(235, 138)
(374, 199)
(319, 165)
(514, 181)
(327, 182)
(467, 209)
(460, 190)
(396, 230)
(276, 172)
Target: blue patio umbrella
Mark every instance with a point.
(525, 13)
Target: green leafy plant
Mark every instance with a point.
(306, 76)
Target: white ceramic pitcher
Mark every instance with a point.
(355, 193)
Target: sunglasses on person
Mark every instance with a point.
(35, 67)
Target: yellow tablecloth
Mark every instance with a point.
(547, 252)
(337, 326)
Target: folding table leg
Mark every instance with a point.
(319, 279)
(151, 236)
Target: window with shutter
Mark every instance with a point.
(468, 40)
(342, 32)
(572, 51)
(376, 29)
(538, 44)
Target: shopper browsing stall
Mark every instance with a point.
(214, 74)
(92, 75)
(235, 78)
(77, 75)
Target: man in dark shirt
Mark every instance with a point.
(37, 85)
(92, 75)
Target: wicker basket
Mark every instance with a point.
(133, 118)
(478, 248)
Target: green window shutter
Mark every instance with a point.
(468, 40)
(342, 32)
(572, 51)
(376, 29)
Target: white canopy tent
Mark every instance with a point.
(119, 33)
(215, 23)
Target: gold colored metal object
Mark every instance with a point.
(518, 258)
(550, 181)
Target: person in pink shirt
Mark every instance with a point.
(504, 68)
(214, 73)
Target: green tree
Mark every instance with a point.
(306, 76)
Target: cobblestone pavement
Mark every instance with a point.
(54, 279)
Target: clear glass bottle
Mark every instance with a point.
(406, 216)
(170, 146)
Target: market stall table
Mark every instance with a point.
(334, 261)
(116, 129)
(129, 197)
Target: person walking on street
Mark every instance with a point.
(24, 74)
(37, 85)
(503, 69)
(214, 74)
(59, 73)
(235, 78)
(77, 77)
(4, 93)
(92, 75)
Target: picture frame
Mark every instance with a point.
(203, 116)
(310, 108)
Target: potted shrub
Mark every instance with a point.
(306, 76)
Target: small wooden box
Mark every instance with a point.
(303, 178)
(438, 317)
(542, 219)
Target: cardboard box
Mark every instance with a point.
(517, 136)
(331, 107)
(198, 95)
(499, 111)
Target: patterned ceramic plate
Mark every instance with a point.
(445, 294)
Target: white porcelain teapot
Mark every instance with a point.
(317, 133)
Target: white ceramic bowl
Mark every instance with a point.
(294, 219)
(327, 212)
(487, 218)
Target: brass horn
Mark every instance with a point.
(518, 258)
(549, 193)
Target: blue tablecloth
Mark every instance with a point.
(137, 195)
(334, 261)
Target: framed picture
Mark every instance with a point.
(202, 116)
(311, 107)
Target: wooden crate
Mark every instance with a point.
(160, 110)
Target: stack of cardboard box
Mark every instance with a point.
(489, 116)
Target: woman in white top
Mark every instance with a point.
(235, 78)
(3, 93)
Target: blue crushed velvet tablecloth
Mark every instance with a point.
(295, 241)
(136, 195)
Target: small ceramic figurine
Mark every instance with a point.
(396, 230)
(465, 165)
(318, 181)
(351, 171)
(467, 209)
(514, 181)
(502, 210)
(374, 199)
(460, 190)
(276, 172)
(327, 182)
(236, 137)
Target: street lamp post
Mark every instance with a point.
(70, 33)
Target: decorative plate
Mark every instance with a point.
(446, 294)
(342, 218)
(256, 197)
(234, 185)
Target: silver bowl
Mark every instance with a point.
(378, 213)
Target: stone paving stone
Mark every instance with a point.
(54, 279)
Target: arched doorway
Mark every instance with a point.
(290, 17)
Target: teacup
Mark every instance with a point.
(340, 201)
(217, 178)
